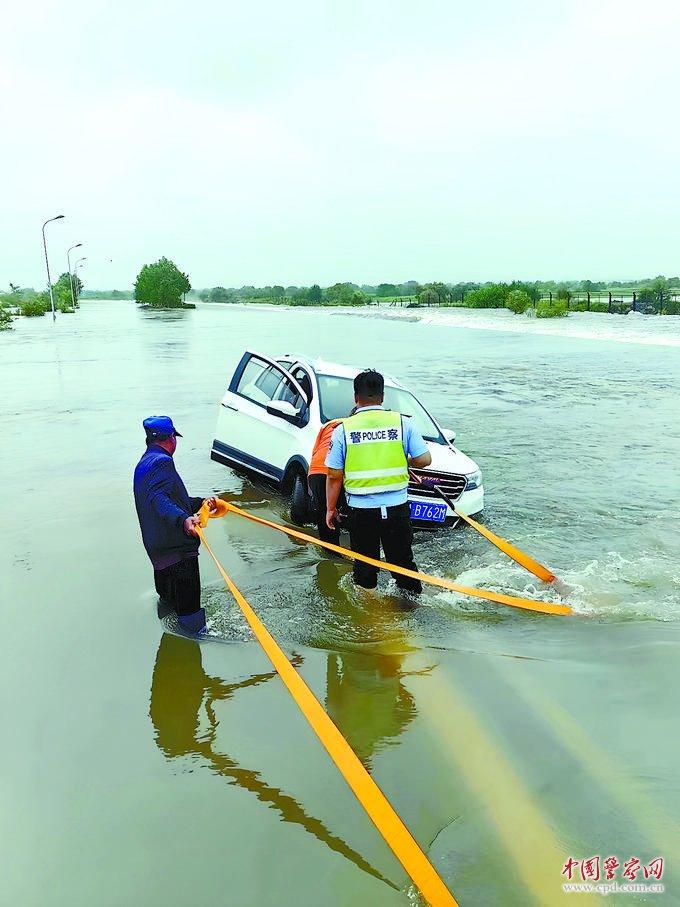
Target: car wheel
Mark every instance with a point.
(301, 511)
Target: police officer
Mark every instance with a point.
(167, 519)
(370, 456)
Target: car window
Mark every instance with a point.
(336, 398)
(259, 381)
(286, 391)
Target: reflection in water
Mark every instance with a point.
(250, 544)
(165, 344)
(365, 693)
(367, 700)
(255, 491)
(153, 314)
(180, 687)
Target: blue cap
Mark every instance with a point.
(158, 428)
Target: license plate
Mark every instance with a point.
(428, 513)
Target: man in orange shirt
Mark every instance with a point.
(316, 480)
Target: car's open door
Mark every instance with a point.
(261, 415)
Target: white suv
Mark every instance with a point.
(272, 410)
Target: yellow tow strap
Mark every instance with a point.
(501, 598)
(520, 557)
(383, 816)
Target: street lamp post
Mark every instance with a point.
(77, 265)
(47, 263)
(70, 275)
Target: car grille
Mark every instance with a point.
(451, 483)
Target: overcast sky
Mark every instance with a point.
(298, 142)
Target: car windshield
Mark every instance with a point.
(336, 399)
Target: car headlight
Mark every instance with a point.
(473, 480)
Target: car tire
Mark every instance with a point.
(301, 510)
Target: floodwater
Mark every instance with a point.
(139, 767)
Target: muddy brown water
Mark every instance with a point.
(139, 767)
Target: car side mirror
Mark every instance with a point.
(282, 409)
(449, 435)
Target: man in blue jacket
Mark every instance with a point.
(167, 519)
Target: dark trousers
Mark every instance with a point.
(368, 530)
(317, 487)
(180, 586)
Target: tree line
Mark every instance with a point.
(653, 294)
(162, 284)
(346, 293)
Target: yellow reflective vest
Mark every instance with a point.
(375, 461)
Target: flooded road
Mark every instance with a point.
(142, 768)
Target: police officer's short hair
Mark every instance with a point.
(369, 384)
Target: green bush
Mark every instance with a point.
(345, 294)
(492, 297)
(161, 285)
(34, 307)
(311, 295)
(5, 319)
(599, 307)
(435, 293)
(555, 309)
(647, 298)
(518, 301)
(530, 289)
(217, 294)
(63, 297)
(671, 307)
